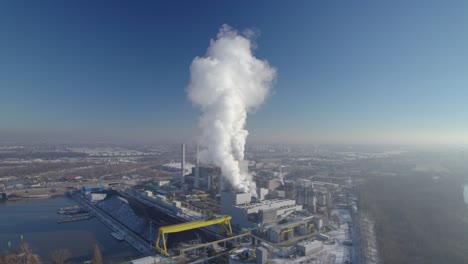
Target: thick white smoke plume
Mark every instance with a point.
(227, 83)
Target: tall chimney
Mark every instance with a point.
(182, 163)
(221, 183)
(197, 170)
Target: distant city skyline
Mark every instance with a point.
(364, 72)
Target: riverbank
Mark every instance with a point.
(37, 193)
(36, 220)
(419, 218)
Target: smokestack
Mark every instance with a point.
(281, 174)
(221, 183)
(182, 164)
(196, 184)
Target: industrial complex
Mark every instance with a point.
(193, 215)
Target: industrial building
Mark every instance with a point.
(306, 196)
(275, 216)
(176, 168)
(91, 189)
(245, 213)
(298, 224)
(147, 260)
(209, 178)
(309, 247)
(257, 255)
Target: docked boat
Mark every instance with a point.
(117, 235)
(71, 210)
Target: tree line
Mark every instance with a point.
(24, 255)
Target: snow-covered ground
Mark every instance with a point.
(336, 253)
(367, 239)
(341, 252)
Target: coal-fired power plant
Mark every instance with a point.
(210, 207)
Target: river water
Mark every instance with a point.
(36, 220)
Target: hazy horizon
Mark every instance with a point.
(134, 138)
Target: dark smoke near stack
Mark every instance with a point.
(227, 83)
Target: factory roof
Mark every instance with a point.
(290, 223)
(309, 242)
(177, 165)
(93, 188)
(264, 203)
(146, 260)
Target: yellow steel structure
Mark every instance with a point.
(202, 195)
(289, 229)
(182, 251)
(223, 221)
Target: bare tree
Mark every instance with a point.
(60, 255)
(28, 257)
(9, 258)
(97, 257)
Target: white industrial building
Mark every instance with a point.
(295, 226)
(249, 256)
(307, 248)
(176, 167)
(245, 214)
(148, 260)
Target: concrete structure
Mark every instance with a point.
(196, 183)
(261, 255)
(147, 260)
(287, 231)
(318, 184)
(326, 185)
(91, 189)
(160, 183)
(245, 214)
(295, 225)
(274, 183)
(95, 197)
(309, 247)
(318, 222)
(305, 195)
(322, 198)
(208, 177)
(221, 186)
(323, 237)
(277, 194)
(182, 163)
(230, 198)
(161, 201)
(242, 256)
(175, 168)
(262, 192)
(267, 216)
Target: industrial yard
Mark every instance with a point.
(174, 208)
(194, 215)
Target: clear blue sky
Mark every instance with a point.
(348, 71)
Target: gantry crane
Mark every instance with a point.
(223, 221)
